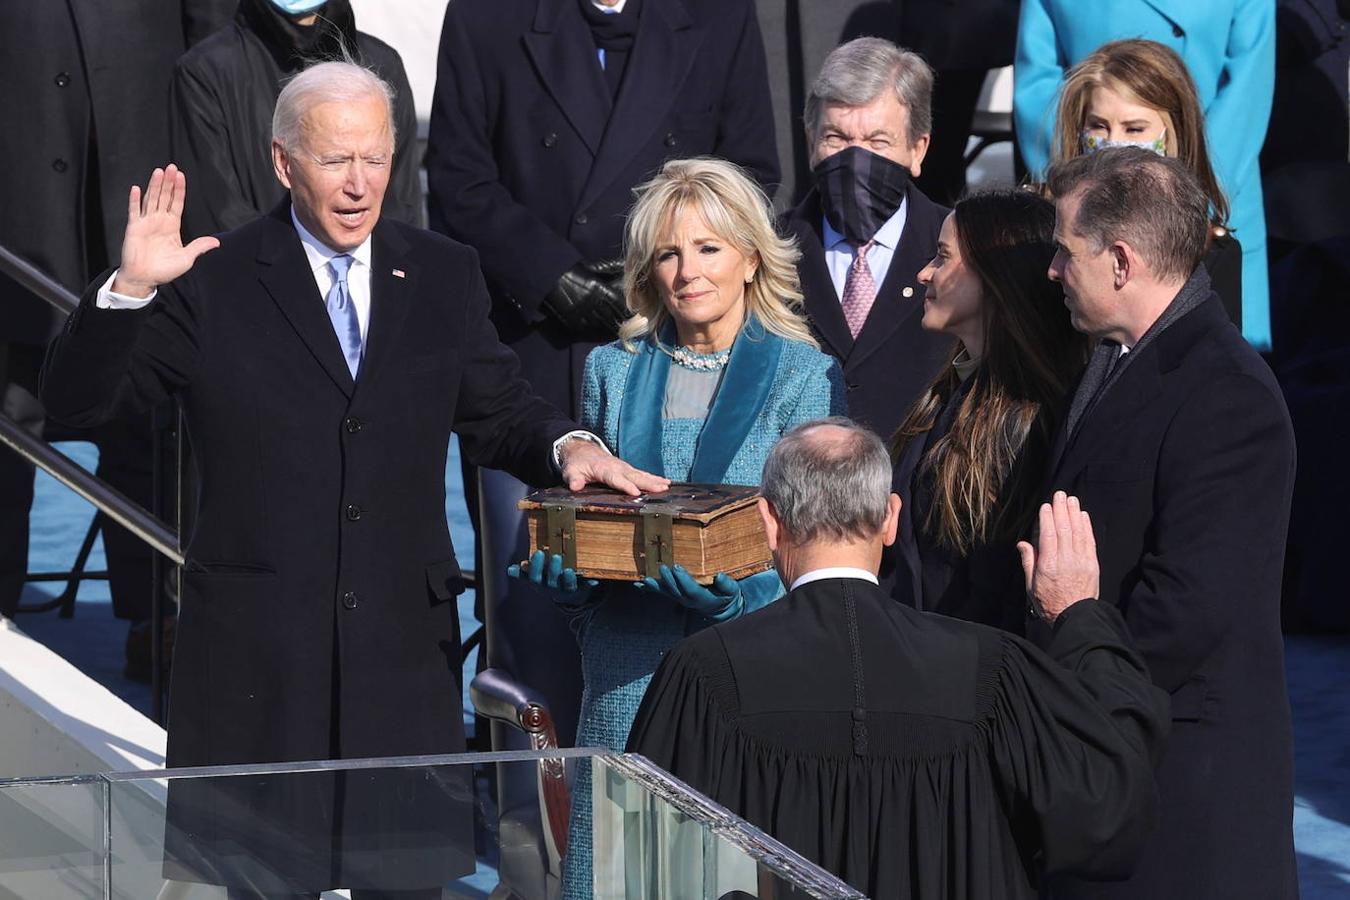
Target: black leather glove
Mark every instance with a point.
(588, 300)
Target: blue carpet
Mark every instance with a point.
(1318, 668)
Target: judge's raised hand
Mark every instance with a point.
(152, 246)
(1062, 568)
(585, 462)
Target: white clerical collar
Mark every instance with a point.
(319, 254)
(834, 572)
(888, 235)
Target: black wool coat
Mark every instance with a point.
(220, 115)
(532, 163)
(1186, 465)
(893, 359)
(78, 76)
(318, 616)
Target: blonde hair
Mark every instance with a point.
(738, 211)
(1153, 75)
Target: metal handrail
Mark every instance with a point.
(116, 505)
(39, 282)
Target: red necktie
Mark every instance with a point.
(859, 290)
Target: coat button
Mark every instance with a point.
(551, 139)
(62, 79)
(1177, 31)
(581, 219)
(852, 386)
(59, 165)
(670, 139)
(352, 424)
(349, 600)
(353, 512)
(907, 292)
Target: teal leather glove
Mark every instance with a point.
(551, 574)
(719, 601)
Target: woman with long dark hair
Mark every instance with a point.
(971, 452)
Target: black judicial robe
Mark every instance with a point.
(911, 754)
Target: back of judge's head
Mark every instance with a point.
(829, 481)
(1132, 195)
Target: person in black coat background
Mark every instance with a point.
(1179, 445)
(867, 121)
(318, 614)
(220, 113)
(547, 114)
(85, 92)
(971, 453)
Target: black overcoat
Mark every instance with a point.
(220, 118)
(893, 359)
(531, 163)
(1186, 465)
(318, 615)
(69, 72)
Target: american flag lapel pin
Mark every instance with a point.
(399, 273)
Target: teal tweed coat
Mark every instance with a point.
(771, 385)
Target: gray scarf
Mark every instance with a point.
(1104, 368)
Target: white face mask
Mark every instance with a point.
(297, 7)
(1092, 143)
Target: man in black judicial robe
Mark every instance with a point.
(1179, 443)
(911, 754)
(318, 616)
(221, 100)
(867, 123)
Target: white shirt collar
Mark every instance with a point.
(616, 8)
(834, 572)
(888, 235)
(319, 254)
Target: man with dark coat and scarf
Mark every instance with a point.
(865, 230)
(220, 111)
(1178, 441)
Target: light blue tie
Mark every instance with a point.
(342, 311)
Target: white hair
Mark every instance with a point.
(326, 82)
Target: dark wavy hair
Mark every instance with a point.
(987, 468)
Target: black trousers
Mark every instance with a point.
(124, 461)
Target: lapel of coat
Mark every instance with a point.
(918, 244)
(745, 388)
(286, 277)
(1115, 411)
(640, 413)
(563, 52)
(663, 53)
(391, 298)
(822, 303)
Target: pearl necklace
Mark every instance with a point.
(701, 362)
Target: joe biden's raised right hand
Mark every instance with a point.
(152, 246)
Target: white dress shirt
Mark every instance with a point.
(834, 572)
(318, 254)
(839, 252)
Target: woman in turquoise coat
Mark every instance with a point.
(1229, 47)
(715, 365)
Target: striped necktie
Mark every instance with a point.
(860, 291)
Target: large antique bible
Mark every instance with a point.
(707, 528)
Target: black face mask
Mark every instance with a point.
(859, 191)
